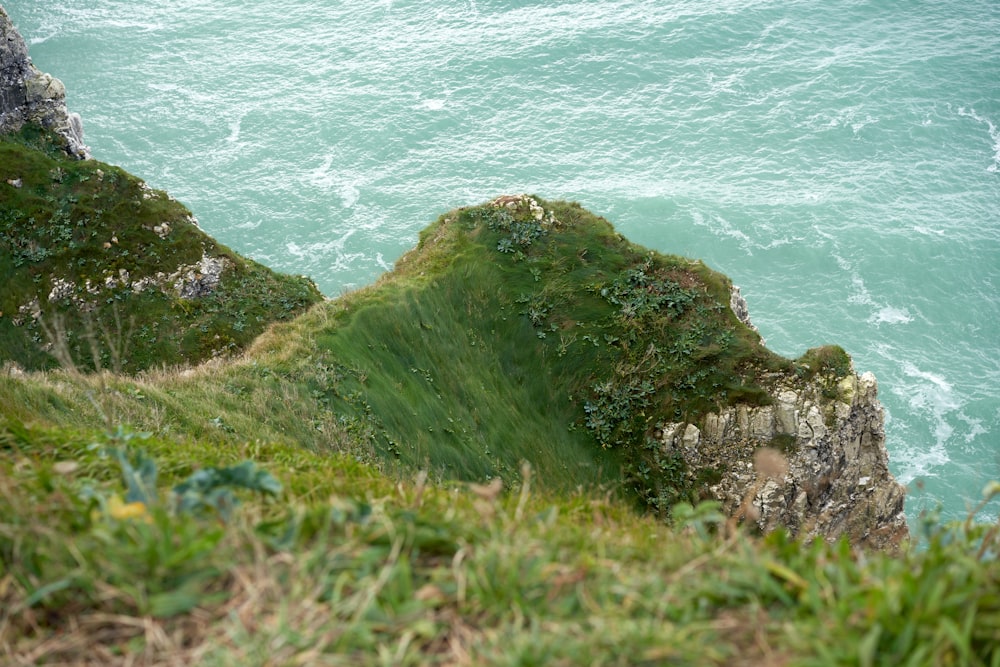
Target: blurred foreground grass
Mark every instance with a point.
(318, 559)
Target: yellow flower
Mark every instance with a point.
(120, 510)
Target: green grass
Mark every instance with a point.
(499, 339)
(349, 566)
(72, 233)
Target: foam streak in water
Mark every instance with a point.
(994, 135)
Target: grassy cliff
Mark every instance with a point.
(447, 467)
(101, 271)
(501, 338)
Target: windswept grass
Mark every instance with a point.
(459, 449)
(532, 332)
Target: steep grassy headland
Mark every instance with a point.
(522, 331)
(502, 339)
(101, 271)
(532, 443)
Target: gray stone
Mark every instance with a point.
(30, 96)
(739, 307)
(838, 481)
(201, 279)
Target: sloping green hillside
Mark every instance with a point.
(530, 330)
(526, 331)
(101, 271)
(297, 504)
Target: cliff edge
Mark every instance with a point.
(99, 270)
(517, 330)
(526, 311)
(28, 96)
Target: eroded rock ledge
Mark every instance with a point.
(834, 480)
(30, 96)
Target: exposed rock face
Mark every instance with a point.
(739, 306)
(836, 481)
(192, 282)
(30, 96)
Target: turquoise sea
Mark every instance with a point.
(840, 160)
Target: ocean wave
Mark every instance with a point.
(890, 315)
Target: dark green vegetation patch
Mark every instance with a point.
(99, 270)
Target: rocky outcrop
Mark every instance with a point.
(30, 96)
(829, 475)
(739, 306)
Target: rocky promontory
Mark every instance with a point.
(825, 470)
(28, 96)
(668, 372)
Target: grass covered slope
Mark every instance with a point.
(297, 505)
(527, 329)
(518, 331)
(135, 551)
(101, 271)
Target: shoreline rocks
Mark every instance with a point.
(28, 95)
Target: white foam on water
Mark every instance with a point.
(349, 195)
(330, 252)
(915, 463)
(234, 129)
(41, 40)
(857, 126)
(975, 425)
(882, 313)
(931, 399)
(431, 104)
(327, 179)
(993, 132)
(861, 294)
(890, 315)
(321, 177)
(722, 228)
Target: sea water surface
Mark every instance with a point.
(838, 159)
